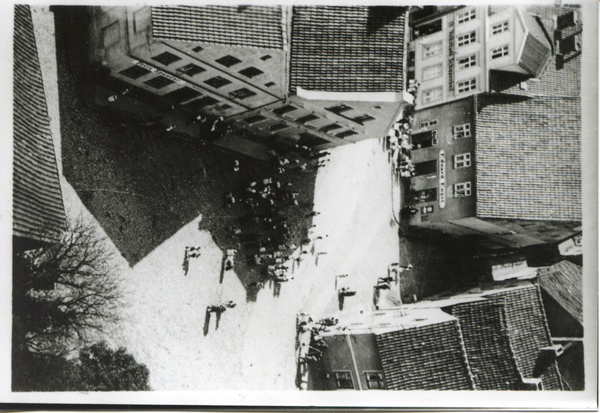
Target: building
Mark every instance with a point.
(38, 210)
(453, 50)
(493, 338)
(500, 164)
(320, 75)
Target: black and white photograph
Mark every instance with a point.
(290, 200)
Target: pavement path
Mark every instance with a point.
(164, 318)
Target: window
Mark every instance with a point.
(134, 72)
(331, 127)
(432, 72)
(339, 109)
(284, 109)
(265, 57)
(270, 84)
(190, 70)
(200, 103)
(182, 94)
(277, 127)
(462, 131)
(467, 85)
(500, 52)
(226, 106)
(431, 50)
(312, 140)
(362, 119)
(228, 61)
(197, 49)
(466, 62)
(343, 380)
(251, 72)
(307, 118)
(375, 380)
(466, 16)
(345, 134)
(166, 58)
(241, 94)
(462, 160)
(428, 124)
(254, 119)
(462, 189)
(499, 28)
(159, 82)
(432, 95)
(466, 39)
(217, 82)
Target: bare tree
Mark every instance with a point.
(64, 292)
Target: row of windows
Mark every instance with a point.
(167, 58)
(280, 126)
(343, 380)
(435, 49)
(435, 94)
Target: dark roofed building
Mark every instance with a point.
(246, 26)
(529, 333)
(487, 343)
(347, 49)
(562, 290)
(38, 210)
(429, 357)
(528, 157)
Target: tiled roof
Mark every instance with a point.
(528, 157)
(38, 210)
(246, 26)
(347, 49)
(528, 331)
(430, 357)
(563, 282)
(487, 343)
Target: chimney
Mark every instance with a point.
(546, 357)
(533, 384)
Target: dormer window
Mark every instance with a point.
(339, 109)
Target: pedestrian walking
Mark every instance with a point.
(230, 304)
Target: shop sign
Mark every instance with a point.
(451, 60)
(160, 72)
(442, 182)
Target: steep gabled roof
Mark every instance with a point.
(487, 343)
(528, 152)
(430, 357)
(246, 26)
(528, 332)
(347, 49)
(38, 210)
(564, 282)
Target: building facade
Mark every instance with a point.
(323, 76)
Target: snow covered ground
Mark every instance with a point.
(253, 347)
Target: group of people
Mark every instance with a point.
(399, 143)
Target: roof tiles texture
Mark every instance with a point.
(528, 157)
(245, 26)
(528, 331)
(38, 210)
(528, 150)
(425, 358)
(564, 282)
(487, 343)
(347, 49)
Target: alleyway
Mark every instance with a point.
(164, 322)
